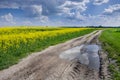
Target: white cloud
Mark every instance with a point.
(47, 8)
(112, 15)
(36, 12)
(8, 18)
(99, 2)
(42, 19)
(111, 20)
(113, 8)
(79, 16)
(59, 12)
(102, 20)
(7, 4)
(33, 10)
(36, 9)
(27, 23)
(73, 9)
(74, 5)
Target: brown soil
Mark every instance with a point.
(46, 65)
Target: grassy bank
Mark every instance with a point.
(16, 43)
(110, 39)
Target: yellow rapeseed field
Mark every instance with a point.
(9, 40)
(16, 43)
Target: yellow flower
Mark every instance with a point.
(14, 36)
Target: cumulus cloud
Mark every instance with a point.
(101, 19)
(110, 20)
(27, 23)
(112, 9)
(111, 15)
(42, 19)
(72, 9)
(33, 10)
(7, 18)
(8, 4)
(36, 8)
(42, 9)
(99, 2)
(49, 6)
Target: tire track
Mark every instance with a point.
(47, 65)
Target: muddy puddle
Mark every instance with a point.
(85, 54)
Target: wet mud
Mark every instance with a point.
(76, 59)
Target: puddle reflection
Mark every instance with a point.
(86, 54)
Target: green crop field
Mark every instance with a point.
(16, 43)
(111, 44)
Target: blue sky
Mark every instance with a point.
(60, 12)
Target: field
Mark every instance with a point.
(111, 44)
(16, 43)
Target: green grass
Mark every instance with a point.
(110, 39)
(13, 54)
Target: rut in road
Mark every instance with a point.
(46, 65)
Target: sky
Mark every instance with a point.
(59, 12)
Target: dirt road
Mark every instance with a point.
(47, 65)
